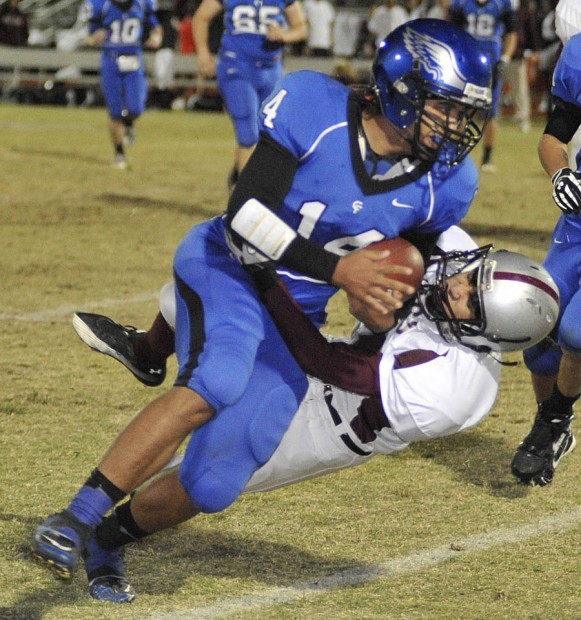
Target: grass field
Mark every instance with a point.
(439, 531)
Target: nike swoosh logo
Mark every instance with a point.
(396, 203)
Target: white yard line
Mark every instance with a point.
(65, 312)
(421, 560)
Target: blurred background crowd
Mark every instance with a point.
(342, 30)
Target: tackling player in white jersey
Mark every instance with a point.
(363, 400)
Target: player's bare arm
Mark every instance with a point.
(97, 38)
(201, 27)
(553, 154)
(297, 26)
(153, 42)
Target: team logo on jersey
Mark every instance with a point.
(437, 58)
(357, 206)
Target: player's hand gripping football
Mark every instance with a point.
(567, 190)
(381, 278)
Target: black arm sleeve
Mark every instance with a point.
(268, 177)
(340, 364)
(563, 121)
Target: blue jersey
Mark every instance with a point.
(245, 27)
(341, 197)
(567, 87)
(487, 22)
(563, 260)
(124, 23)
(332, 200)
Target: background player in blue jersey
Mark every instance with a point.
(325, 181)
(493, 24)
(556, 370)
(118, 27)
(249, 62)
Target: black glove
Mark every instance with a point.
(567, 190)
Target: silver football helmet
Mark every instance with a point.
(516, 301)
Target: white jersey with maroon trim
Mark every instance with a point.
(429, 388)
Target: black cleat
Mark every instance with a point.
(542, 449)
(105, 336)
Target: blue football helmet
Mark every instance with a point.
(427, 59)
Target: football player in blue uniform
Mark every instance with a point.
(118, 26)
(334, 171)
(381, 391)
(249, 62)
(556, 364)
(493, 23)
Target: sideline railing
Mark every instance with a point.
(29, 66)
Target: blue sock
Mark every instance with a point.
(99, 562)
(90, 505)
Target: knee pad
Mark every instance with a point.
(246, 129)
(544, 358)
(223, 454)
(243, 105)
(570, 338)
(211, 492)
(228, 387)
(569, 332)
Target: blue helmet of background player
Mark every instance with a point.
(433, 59)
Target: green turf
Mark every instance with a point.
(76, 235)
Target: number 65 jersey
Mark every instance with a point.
(246, 25)
(343, 197)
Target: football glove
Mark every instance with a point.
(567, 190)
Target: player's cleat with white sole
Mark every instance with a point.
(119, 162)
(106, 574)
(112, 589)
(106, 336)
(488, 168)
(541, 451)
(58, 543)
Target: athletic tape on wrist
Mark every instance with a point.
(263, 229)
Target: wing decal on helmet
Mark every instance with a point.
(437, 58)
